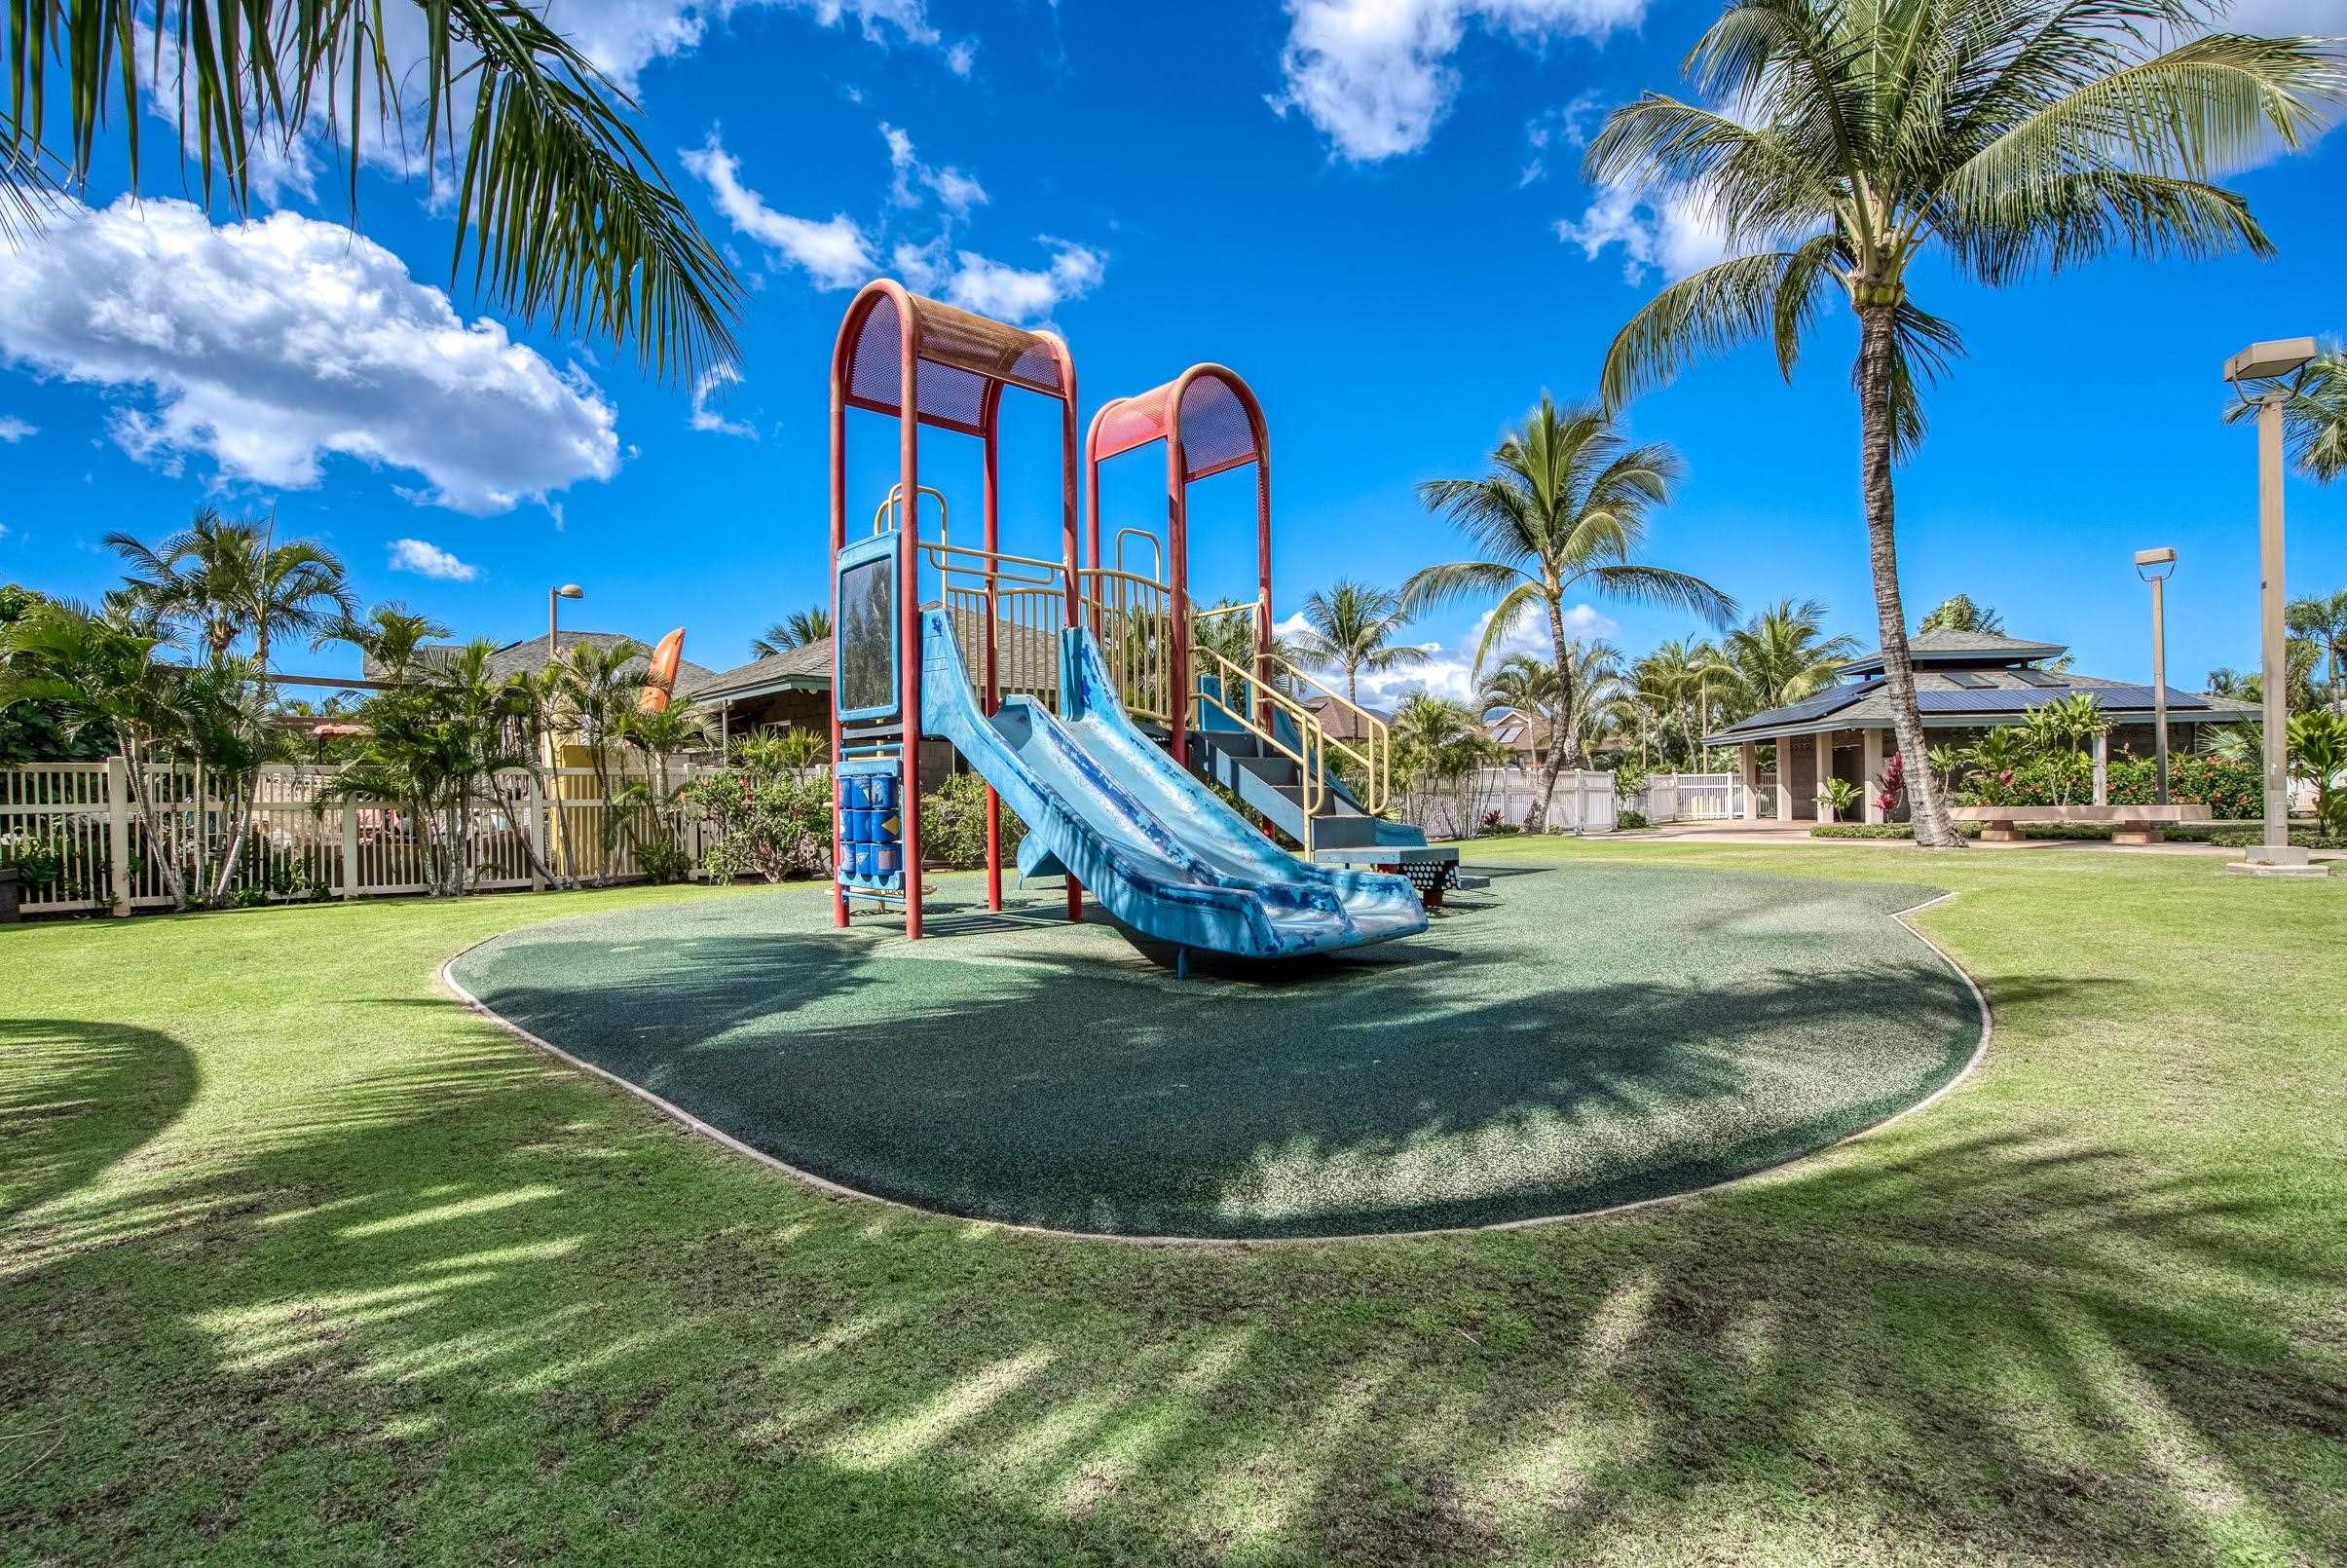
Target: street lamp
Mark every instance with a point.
(569, 590)
(2269, 362)
(2155, 567)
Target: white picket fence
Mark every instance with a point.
(1584, 802)
(299, 849)
(1691, 797)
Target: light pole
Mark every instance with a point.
(2269, 362)
(569, 590)
(2155, 567)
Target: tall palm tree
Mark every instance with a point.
(564, 212)
(1675, 683)
(1563, 510)
(1352, 628)
(796, 630)
(2314, 417)
(392, 637)
(1957, 612)
(227, 580)
(2019, 135)
(1782, 655)
(2324, 624)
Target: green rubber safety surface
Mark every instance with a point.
(1571, 1039)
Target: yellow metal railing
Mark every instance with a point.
(1312, 780)
(1374, 752)
(1132, 617)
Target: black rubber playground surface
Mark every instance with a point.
(1575, 1038)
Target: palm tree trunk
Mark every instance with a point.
(1877, 354)
(1563, 737)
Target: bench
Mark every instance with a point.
(2130, 824)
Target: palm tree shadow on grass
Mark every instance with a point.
(1986, 1343)
(75, 1097)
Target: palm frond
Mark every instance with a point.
(1661, 586)
(1506, 616)
(1708, 311)
(569, 218)
(1433, 586)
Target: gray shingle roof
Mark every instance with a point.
(1866, 705)
(808, 662)
(1960, 647)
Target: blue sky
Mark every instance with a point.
(1388, 234)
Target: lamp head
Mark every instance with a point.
(2153, 564)
(2268, 361)
(570, 590)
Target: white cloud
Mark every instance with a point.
(1376, 76)
(1449, 672)
(429, 560)
(1670, 232)
(955, 190)
(1017, 294)
(835, 253)
(13, 428)
(265, 345)
(840, 253)
(1564, 128)
(712, 383)
(882, 21)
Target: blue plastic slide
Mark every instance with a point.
(1157, 849)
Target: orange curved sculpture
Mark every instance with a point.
(660, 673)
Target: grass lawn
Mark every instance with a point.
(300, 1262)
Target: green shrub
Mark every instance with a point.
(953, 824)
(766, 821)
(2250, 837)
(1631, 821)
(662, 860)
(38, 861)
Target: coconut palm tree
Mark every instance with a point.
(2314, 417)
(226, 580)
(1563, 510)
(1957, 612)
(2323, 622)
(229, 581)
(801, 627)
(1782, 655)
(1353, 628)
(2010, 137)
(564, 212)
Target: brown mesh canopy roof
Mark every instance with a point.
(962, 358)
(1216, 421)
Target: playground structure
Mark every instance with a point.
(1073, 686)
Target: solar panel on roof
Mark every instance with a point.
(1969, 677)
(2039, 678)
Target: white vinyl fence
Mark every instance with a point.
(300, 847)
(1691, 797)
(1584, 802)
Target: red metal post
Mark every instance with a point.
(1177, 581)
(909, 605)
(1091, 501)
(993, 687)
(1262, 556)
(1068, 519)
(839, 351)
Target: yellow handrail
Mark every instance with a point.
(1133, 617)
(1313, 783)
(1377, 767)
(895, 503)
